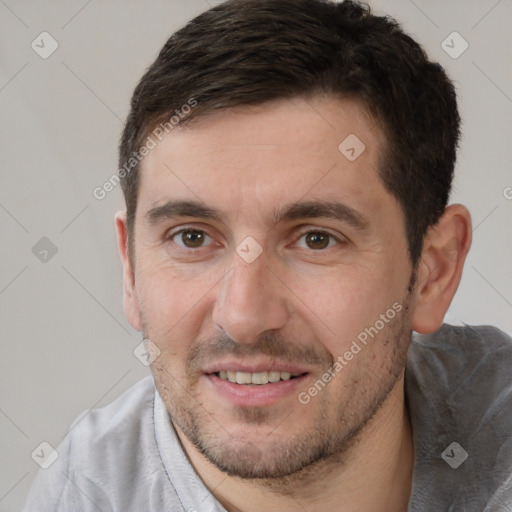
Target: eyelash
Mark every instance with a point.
(172, 235)
(320, 232)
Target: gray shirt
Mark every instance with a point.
(127, 457)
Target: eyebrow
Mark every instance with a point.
(180, 208)
(328, 209)
(292, 211)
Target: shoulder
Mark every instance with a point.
(459, 390)
(128, 414)
(104, 458)
(477, 335)
(109, 445)
(461, 367)
(453, 355)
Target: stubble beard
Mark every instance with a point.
(284, 465)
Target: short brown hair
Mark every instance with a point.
(245, 52)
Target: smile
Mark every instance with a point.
(258, 378)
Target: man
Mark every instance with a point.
(286, 166)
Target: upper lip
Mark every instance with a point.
(254, 367)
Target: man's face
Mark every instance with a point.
(262, 250)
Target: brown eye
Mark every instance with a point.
(191, 238)
(317, 240)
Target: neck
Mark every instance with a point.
(376, 474)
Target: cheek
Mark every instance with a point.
(344, 304)
(173, 305)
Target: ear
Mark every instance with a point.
(130, 301)
(440, 270)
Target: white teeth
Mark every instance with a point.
(260, 378)
(257, 378)
(274, 376)
(243, 378)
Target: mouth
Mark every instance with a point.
(257, 385)
(256, 378)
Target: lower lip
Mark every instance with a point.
(246, 395)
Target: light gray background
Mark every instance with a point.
(66, 346)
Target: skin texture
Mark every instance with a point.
(297, 304)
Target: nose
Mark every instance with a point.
(251, 300)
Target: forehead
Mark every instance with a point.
(253, 158)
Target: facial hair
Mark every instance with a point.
(337, 421)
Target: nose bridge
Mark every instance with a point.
(250, 300)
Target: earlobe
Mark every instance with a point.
(130, 301)
(446, 246)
